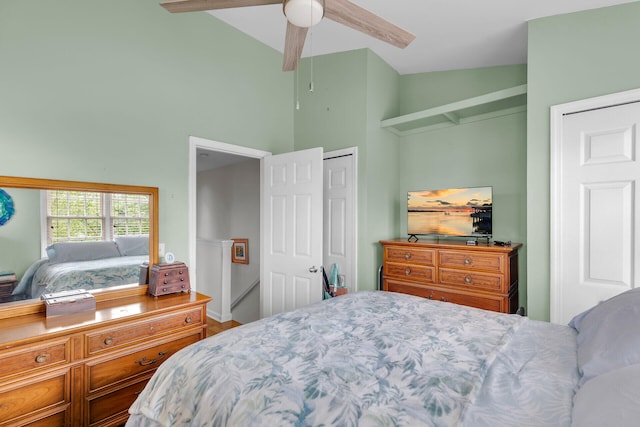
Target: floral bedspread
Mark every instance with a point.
(367, 358)
(88, 275)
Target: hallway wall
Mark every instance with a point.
(228, 206)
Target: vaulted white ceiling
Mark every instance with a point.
(450, 34)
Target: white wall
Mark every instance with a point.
(229, 207)
(214, 265)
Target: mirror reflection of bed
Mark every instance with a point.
(85, 265)
(67, 236)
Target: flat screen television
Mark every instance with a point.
(450, 212)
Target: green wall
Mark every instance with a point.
(428, 90)
(485, 153)
(383, 169)
(333, 116)
(571, 57)
(353, 91)
(110, 91)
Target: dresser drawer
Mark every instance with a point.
(411, 255)
(119, 336)
(121, 368)
(58, 419)
(471, 300)
(41, 393)
(26, 359)
(114, 404)
(473, 280)
(420, 273)
(469, 259)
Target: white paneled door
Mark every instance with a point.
(291, 218)
(339, 216)
(597, 207)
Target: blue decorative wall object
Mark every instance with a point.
(6, 207)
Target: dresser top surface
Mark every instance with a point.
(452, 244)
(24, 328)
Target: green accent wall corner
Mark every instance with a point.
(571, 57)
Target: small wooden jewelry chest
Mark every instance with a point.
(168, 279)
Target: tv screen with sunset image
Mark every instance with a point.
(450, 212)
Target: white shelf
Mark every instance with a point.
(495, 104)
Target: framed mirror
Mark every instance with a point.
(62, 235)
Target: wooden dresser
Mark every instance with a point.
(483, 276)
(86, 369)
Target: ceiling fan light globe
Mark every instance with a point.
(303, 13)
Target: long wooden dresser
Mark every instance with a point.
(483, 276)
(86, 369)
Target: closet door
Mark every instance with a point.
(340, 176)
(597, 210)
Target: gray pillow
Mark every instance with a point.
(81, 251)
(608, 335)
(612, 399)
(133, 245)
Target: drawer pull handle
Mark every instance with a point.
(182, 279)
(166, 274)
(188, 320)
(164, 289)
(467, 261)
(108, 341)
(180, 272)
(165, 282)
(407, 272)
(145, 362)
(41, 358)
(407, 255)
(444, 299)
(467, 279)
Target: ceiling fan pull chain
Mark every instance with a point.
(297, 89)
(311, 60)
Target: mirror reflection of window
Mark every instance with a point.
(129, 214)
(80, 216)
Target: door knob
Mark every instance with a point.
(313, 269)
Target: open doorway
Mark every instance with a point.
(224, 199)
(224, 204)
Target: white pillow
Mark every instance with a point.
(81, 251)
(611, 399)
(133, 245)
(608, 335)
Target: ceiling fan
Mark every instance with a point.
(302, 14)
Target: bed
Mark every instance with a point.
(385, 359)
(85, 265)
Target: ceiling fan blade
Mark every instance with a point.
(358, 18)
(175, 6)
(293, 44)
